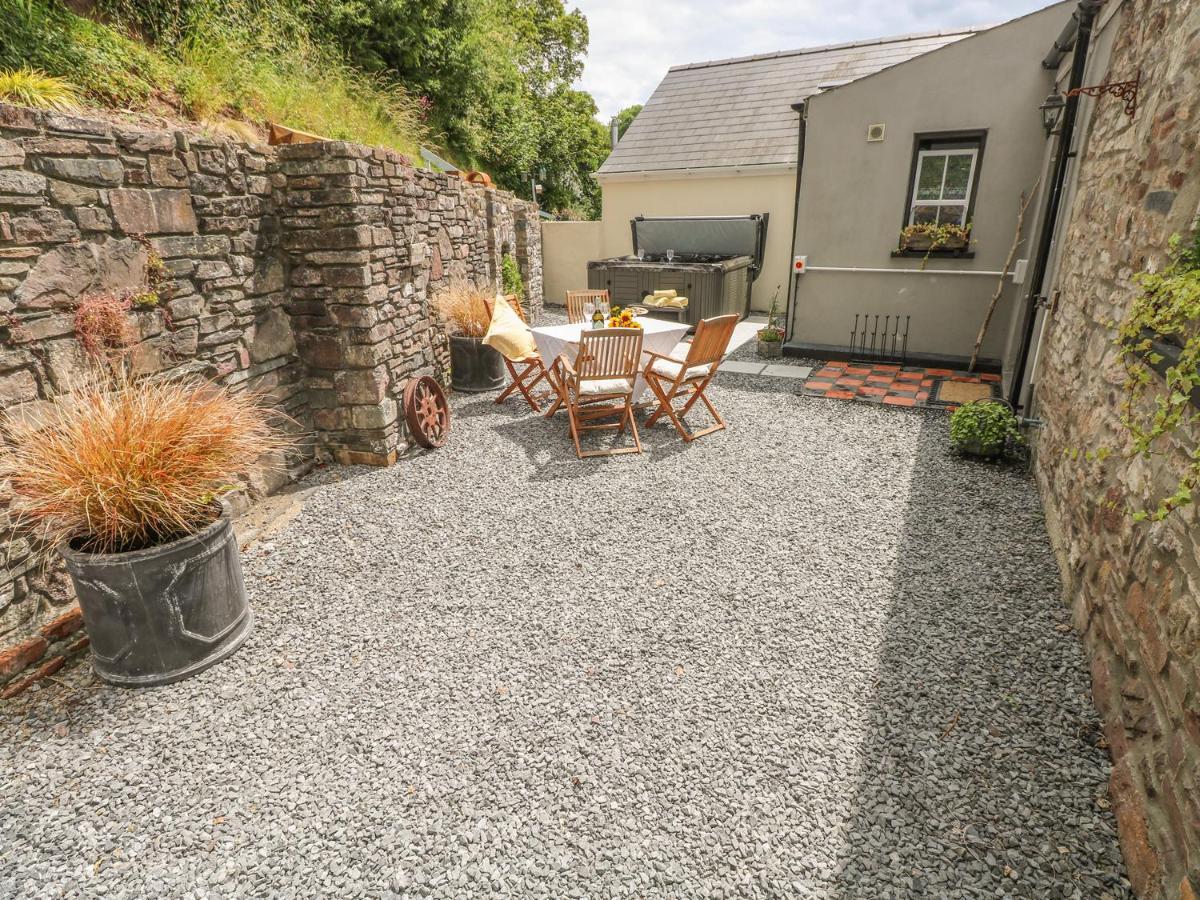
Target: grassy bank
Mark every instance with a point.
(229, 65)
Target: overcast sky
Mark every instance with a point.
(634, 42)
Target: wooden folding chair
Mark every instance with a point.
(523, 374)
(670, 378)
(604, 370)
(577, 299)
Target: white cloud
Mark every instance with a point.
(634, 42)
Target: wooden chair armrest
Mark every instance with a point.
(662, 356)
(566, 366)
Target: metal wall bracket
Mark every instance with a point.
(1124, 90)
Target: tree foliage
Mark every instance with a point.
(625, 118)
(495, 77)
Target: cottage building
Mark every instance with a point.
(952, 136)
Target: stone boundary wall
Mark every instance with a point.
(1134, 588)
(304, 272)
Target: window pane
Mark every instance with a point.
(923, 215)
(953, 214)
(958, 176)
(929, 179)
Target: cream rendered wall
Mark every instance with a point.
(851, 207)
(735, 194)
(566, 249)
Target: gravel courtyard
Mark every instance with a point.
(813, 656)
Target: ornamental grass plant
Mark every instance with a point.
(116, 464)
(33, 87)
(463, 307)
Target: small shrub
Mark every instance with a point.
(33, 87)
(984, 428)
(102, 324)
(510, 277)
(116, 465)
(462, 306)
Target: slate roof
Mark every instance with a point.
(737, 112)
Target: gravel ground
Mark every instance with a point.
(812, 656)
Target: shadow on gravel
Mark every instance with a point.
(980, 768)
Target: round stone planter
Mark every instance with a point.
(769, 349)
(165, 613)
(474, 366)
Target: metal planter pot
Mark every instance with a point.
(165, 613)
(474, 366)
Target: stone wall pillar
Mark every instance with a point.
(528, 229)
(334, 226)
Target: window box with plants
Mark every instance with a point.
(928, 237)
(123, 478)
(474, 366)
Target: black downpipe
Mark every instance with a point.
(802, 109)
(1086, 16)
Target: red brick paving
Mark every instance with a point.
(908, 386)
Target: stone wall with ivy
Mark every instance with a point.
(304, 272)
(1134, 585)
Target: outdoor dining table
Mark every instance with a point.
(658, 336)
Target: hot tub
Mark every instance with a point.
(714, 262)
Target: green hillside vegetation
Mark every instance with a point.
(484, 82)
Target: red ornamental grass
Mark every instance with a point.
(117, 465)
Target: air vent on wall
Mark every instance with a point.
(875, 132)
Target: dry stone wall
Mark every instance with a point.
(303, 272)
(1135, 588)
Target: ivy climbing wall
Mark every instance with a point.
(1135, 587)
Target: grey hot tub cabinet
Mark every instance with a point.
(716, 261)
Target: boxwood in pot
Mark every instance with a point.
(984, 428)
(122, 477)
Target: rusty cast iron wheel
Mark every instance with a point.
(426, 411)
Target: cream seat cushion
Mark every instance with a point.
(606, 386)
(669, 369)
(508, 334)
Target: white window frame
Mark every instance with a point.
(965, 203)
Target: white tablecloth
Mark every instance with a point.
(657, 335)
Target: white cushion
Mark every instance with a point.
(669, 369)
(606, 386)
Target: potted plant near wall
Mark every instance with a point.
(463, 309)
(985, 429)
(770, 337)
(123, 478)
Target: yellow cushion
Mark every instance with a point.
(508, 334)
(677, 302)
(667, 293)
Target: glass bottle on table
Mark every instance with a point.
(598, 315)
